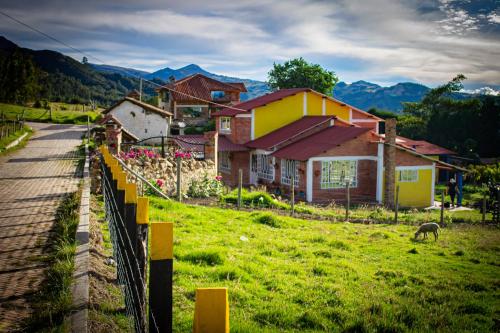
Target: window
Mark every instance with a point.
(287, 168)
(224, 161)
(408, 175)
(336, 174)
(190, 111)
(265, 167)
(217, 94)
(225, 124)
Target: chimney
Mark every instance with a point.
(390, 162)
(212, 146)
(113, 137)
(171, 79)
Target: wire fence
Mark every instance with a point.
(130, 275)
(143, 253)
(9, 127)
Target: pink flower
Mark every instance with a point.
(188, 155)
(218, 178)
(159, 182)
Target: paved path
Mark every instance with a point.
(33, 180)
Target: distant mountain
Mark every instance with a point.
(255, 88)
(366, 95)
(61, 78)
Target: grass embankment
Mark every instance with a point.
(107, 306)
(60, 115)
(333, 212)
(53, 303)
(4, 142)
(293, 275)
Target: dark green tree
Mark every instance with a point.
(298, 73)
(18, 82)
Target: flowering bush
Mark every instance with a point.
(205, 187)
(158, 184)
(139, 154)
(182, 155)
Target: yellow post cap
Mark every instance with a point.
(162, 240)
(142, 216)
(211, 311)
(130, 193)
(121, 178)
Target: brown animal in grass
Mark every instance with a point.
(428, 227)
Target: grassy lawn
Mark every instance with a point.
(60, 115)
(293, 275)
(4, 142)
(334, 212)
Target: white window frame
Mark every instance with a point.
(408, 175)
(286, 172)
(265, 167)
(225, 124)
(334, 174)
(224, 161)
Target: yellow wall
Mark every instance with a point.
(278, 114)
(314, 104)
(416, 194)
(334, 108)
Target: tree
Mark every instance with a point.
(85, 60)
(298, 73)
(19, 79)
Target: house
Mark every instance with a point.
(192, 99)
(139, 120)
(431, 150)
(326, 144)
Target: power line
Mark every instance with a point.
(125, 69)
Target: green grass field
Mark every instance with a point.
(61, 113)
(294, 275)
(4, 142)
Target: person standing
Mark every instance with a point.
(452, 190)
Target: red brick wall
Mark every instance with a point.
(364, 192)
(238, 160)
(240, 129)
(360, 146)
(404, 158)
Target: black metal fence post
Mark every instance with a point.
(160, 277)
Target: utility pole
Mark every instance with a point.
(140, 90)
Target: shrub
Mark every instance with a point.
(205, 187)
(268, 219)
(254, 199)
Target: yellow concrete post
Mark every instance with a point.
(211, 311)
(142, 210)
(130, 193)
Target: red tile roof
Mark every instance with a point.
(289, 132)
(259, 101)
(226, 145)
(422, 147)
(192, 142)
(200, 86)
(319, 142)
(146, 106)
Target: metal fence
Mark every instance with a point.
(145, 266)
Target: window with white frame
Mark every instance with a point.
(336, 174)
(225, 124)
(265, 167)
(408, 175)
(224, 161)
(288, 167)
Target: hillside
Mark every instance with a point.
(57, 77)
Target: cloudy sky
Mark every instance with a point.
(382, 41)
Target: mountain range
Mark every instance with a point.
(361, 94)
(62, 78)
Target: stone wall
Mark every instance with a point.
(166, 170)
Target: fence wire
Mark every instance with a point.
(127, 265)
